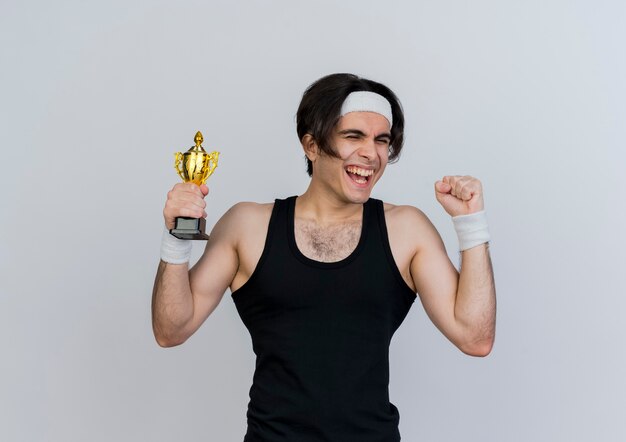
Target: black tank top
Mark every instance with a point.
(321, 333)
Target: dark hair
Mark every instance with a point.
(321, 103)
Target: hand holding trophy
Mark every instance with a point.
(194, 166)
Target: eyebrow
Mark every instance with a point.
(362, 134)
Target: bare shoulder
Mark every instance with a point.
(409, 223)
(404, 214)
(244, 221)
(247, 223)
(249, 212)
(409, 232)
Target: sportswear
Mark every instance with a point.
(321, 333)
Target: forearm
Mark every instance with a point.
(172, 304)
(475, 306)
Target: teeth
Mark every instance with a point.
(359, 171)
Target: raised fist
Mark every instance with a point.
(460, 195)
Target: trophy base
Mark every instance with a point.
(189, 228)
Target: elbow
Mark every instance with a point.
(167, 341)
(478, 349)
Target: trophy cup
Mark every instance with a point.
(193, 166)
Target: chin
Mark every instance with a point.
(358, 197)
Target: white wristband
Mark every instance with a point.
(174, 250)
(471, 229)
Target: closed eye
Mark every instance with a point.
(353, 134)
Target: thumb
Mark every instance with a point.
(441, 187)
(204, 189)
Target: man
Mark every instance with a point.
(323, 280)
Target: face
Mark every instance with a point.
(361, 140)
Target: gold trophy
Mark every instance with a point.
(193, 166)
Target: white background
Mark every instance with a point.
(95, 97)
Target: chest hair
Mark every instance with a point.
(329, 243)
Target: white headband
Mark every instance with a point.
(364, 101)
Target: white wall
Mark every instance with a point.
(95, 98)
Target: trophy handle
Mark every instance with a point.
(178, 159)
(212, 166)
(213, 157)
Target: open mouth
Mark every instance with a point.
(359, 175)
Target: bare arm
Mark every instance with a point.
(476, 298)
(172, 303)
(462, 306)
(182, 299)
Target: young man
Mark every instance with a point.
(323, 280)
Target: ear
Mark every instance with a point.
(310, 147)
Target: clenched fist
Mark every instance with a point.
(460, 195)
(185, 199)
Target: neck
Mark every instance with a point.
(326, 209)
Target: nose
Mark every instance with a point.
(367, 149)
